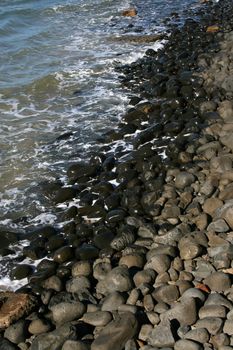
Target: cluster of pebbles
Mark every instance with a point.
(145, 260)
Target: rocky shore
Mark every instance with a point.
(145, 259)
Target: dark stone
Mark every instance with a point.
(115, 216)
(21, 271)
(65, 194)
(17, 332)
(116, 333)
(80, 170)
(86, 252)
(63, 254)
(54, 340)
(7, 345)
(7, 238)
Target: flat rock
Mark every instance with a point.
(7, 345)
(228, 327)
(184, 344)
(162, 336)
(200, 335)
(212, 311)
(14, 306)
(213, 324)
(116, 333)
(218, 281)
(185, 312)
(16, 332)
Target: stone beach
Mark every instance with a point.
(145, 261)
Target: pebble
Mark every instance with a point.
(81, 268)
(54, 283)
(63, 254)
(98, 318)
(184, 344)
(212, 311)
(118, 279)
(74, 345)
(16, 333)
(161, 336)
(218, 281)
(167, 294)
(65, 312)
(160, 263)
(39, 326)
(78, 284)
(112, 301)
(55, 339)
(116, 333)
(228, 327)
(199, 335)
(213, 325)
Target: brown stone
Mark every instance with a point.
(14, 306)
(131, 12)
(211, 204)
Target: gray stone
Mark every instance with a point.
(116, 333)
(227, 141)
(78, 284)
(200, 335)
(184, 344)
(54, 340)
(184, 179)
(162, 336)
(160, 263)
(101, 270)
(81, 268)
(218, 299)
(228, 327)
(218, 225)
(218, 282)
(54, 283)
(144, 276)
(145, 332)
(98, 318)
(219, 340)
(166, 293)
(118, 279)
(74, 345)
(16, 333)
(7, 345)
(185, 312)
(193, 293)
(65, 311)
(112, 301)
(213, 325)
(212, 311)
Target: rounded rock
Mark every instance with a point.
(39, 326)
(184, 179)
(65, 311)
(63, 254)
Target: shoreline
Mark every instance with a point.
(145, 261)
